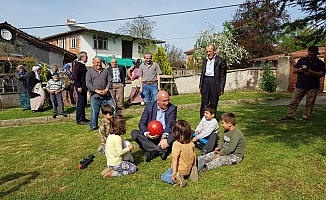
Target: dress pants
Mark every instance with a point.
(209, 93)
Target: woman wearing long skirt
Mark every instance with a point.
(22, 86)
(36, 92)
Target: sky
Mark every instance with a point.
(179, 30)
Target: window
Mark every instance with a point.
(100, 42)
(62, 43)
(73, 42)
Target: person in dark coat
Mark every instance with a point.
(22, 87)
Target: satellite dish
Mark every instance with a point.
(5, 34)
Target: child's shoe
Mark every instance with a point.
(54, 116)
(100, 150)
(180, 180)
(64, 114)
(200, 164)
(106, 173)
(194, 174)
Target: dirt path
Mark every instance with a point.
(321, 100)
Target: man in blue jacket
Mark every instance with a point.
(165, 112)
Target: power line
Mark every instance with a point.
(129, 18)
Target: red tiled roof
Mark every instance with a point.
(296, 54)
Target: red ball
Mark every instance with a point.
(155, 128)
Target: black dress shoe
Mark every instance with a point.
(86, 120)
(150, 155)
(164, 155)
(82, 123)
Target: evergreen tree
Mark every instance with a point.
(161, 59)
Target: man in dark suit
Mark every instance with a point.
(79, 76)
(212, 78)
(164, 112)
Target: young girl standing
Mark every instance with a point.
(114, 151)
(183, 156)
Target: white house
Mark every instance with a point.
(97, 43)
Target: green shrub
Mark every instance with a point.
(268, 80)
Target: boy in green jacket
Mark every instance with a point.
(230, 151)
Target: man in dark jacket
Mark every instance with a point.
(79, 76)
(212, 78)
(164, 112)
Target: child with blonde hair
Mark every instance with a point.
(183, 156)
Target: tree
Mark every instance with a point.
(141, 28)
(256, 26)
(315, 18)
(291, 41)
(161, 59)
(175, 56)
(226, 46)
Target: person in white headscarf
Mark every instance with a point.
(36, 92)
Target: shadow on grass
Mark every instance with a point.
(70, 109)
(259, 121)
(17, 180)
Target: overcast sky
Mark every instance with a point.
(179, 30)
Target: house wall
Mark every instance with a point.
(114, 47)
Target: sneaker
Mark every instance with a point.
(203, 152)
(100, 150)
(200, 164)
(92, 129)
(194, 174)
(180, 180)
(305, 120)
(64, 114)
(54, 116)
(287, 118)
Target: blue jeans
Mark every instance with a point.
(167, 176)
(96, 104)
(150, 92)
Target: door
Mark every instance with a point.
(126, 49)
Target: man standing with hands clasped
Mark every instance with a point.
(79, 76)
(149, 78)
(98, 81)
(309, 69)
(212, 78)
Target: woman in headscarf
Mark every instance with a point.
(22, 87)
(68, 94)
(54, 68)
(36, 92)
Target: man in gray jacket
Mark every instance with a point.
(98, 82)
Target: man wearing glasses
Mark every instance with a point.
(212, 78)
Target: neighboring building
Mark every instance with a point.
(20, 45)
(97, 43)
(285, 67)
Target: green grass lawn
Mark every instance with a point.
(16, 113)
(283, 160)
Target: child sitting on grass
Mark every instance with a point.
(104, 131)
(206, 133)
(114, 150)
(55, 86)
(183, 156)
(230, 151)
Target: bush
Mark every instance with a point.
(268, 80)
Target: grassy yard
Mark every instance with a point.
(16, 113)
(283, 160)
